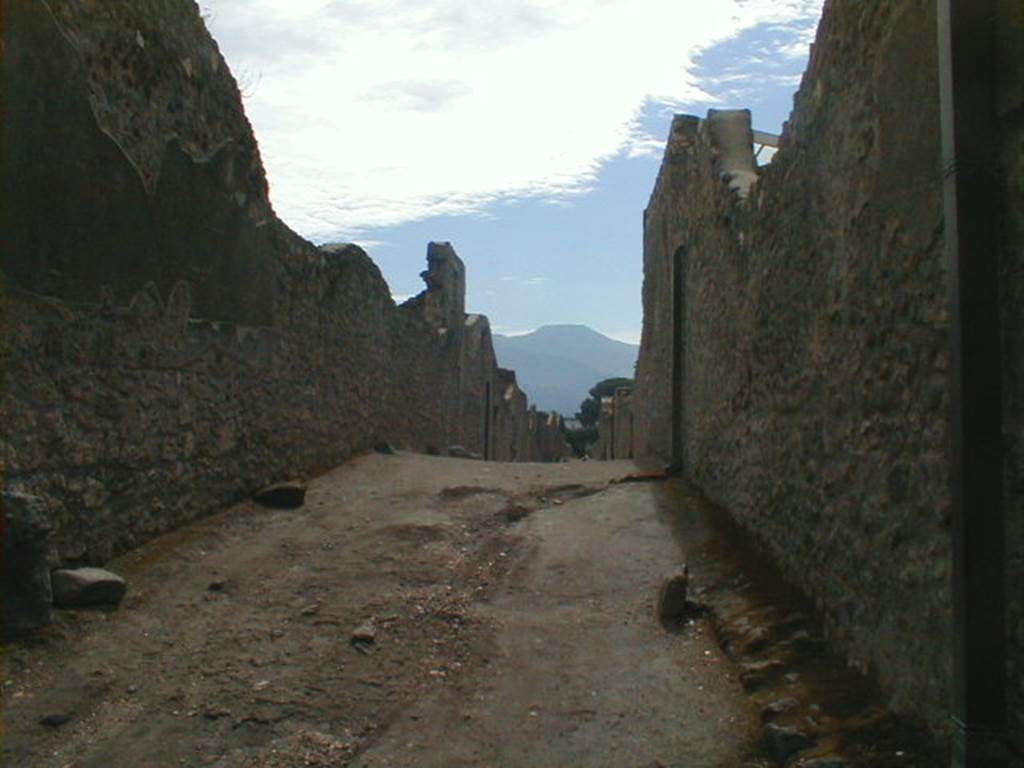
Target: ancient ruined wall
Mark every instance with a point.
(1010, 109)
(478, 370)
(511, 422)
(132, 420)
(813, 334)
(622, 415)
(169, 344)
(604, 447)
(662, 222)
(443, 303)
(546, 442)
(615, 439)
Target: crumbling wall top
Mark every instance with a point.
(443, 303)
(733, 142)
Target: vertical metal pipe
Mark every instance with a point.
(971, 205)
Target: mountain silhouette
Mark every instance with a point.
(557, 364)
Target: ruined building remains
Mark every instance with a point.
(615, 426)
(169, 344)
(795, 353)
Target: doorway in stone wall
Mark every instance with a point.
(678, 354)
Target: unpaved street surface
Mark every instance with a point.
(511, 613)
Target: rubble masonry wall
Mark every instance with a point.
(169, 345)
(813, 335)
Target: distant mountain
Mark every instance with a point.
(557, 364)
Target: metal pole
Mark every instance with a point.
(971, 205)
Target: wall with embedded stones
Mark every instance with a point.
(811, 332)
(169, 345)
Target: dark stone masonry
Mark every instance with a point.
(170, 345)
(800, 312)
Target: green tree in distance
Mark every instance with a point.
(590, 409)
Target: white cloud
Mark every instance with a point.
(643, 145)
(372, 113)
(536, 280)
(368, 245)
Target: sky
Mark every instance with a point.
(527, 133)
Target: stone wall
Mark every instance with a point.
(604, 447)
(478, 375)
(511, 420)
(615, 438)
(128, 158)
(546, 440)
(812, 334)
(622, 405)
(169, 345)
(133, 420)
(806, 305)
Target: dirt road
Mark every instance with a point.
(422, 611)
(511, 610)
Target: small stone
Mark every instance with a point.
(756, 675)
(756, 639)
(287, 495)
(778, 707)
(217, 585)
(365, 633)
(784, 742)
(672, 605)
(86, 586)
(55, 720)
(384, 448)
(459, 452)
(804, 643)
